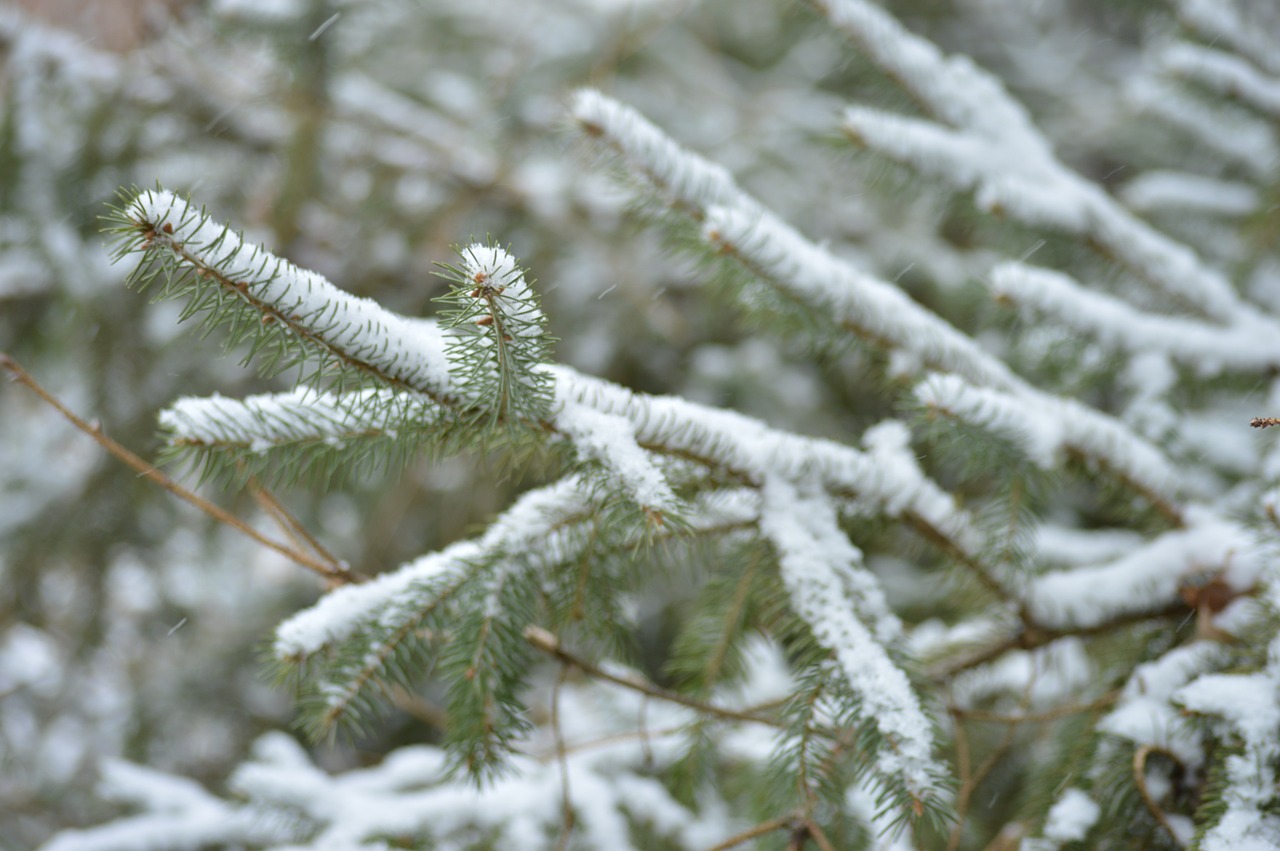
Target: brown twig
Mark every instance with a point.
(543, 640)
(292, 526)
(337, 576)
(1140, 780)
(1264, 422)
(1037, 717)
(815, 833)
(566, 803)
(753, 832)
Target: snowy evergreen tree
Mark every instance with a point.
(905, 499)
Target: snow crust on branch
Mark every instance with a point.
(1145, 715)
(1045, 426)
(877, 309)
(993, 148)
(885, 480)
(733, 221)
(1149, 578)
(1246, 709)
(400, 348)
(273, 419)
(817, 561)
(1209, 349)
(1179, 191)
(1221, 21)
(611, 440)
(1225, 73)
(1236, 135)
(521, 529)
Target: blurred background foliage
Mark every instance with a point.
(362, 139)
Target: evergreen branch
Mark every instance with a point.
(1050, 427)
(997, 151)
(1222, 23)
(299, 313)
(332, 572)
(820, 568)
(834, 292)
(1207, 348)
(306, 433)
(734, 223)
(499, 337)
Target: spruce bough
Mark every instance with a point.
(1109, 660)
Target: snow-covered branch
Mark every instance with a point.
(992, 148)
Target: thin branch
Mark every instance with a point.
(335, 575)
(1036, 717)
(419, 708)
(815, 833)
(291, 525)
(543, 640)
(1264, 422)
(750, 833)
(1140, 780)
(566, 804)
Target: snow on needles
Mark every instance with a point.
(993, 148)
(359, 328)
(814, 556)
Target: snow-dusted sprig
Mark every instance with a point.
(830, 289)
(1243, 714)
(1052, 429)
(1238, 136)
(1223, 22)
(290, 315)
(988, 144)
(735, 223)
(303, 433)
(1224, 72)
(498, 335)
(1151, 578)
(1179, 192)
(1206, 348)
(844, 607)
(392, 629)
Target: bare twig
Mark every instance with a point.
(543, 640)
(1264, 422)
(566, 803)
(1037, 717)
(335, 575)
(1140, 780)
(753, 832)
(291, 525)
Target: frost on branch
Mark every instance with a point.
(986, 143)
(843, 605)
(238, 284)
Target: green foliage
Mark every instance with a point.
(500, 339)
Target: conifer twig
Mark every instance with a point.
(566, 804)
(1264, 422)
(1037, 717)
(1140, 780)
(336, 575)
(753, 832)
(548, 643)
(290, 524)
